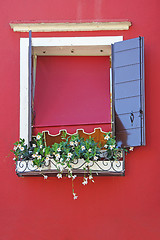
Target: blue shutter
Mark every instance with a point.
(128, 107)
(30, 86)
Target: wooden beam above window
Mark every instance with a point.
(63, 27)
(73, 51)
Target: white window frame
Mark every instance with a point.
(84, 42)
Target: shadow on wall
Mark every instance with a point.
(122, 136)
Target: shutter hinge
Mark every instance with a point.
(140, 113)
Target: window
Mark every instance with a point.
(127, 78)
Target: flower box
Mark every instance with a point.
(99, 167)
(102, 165)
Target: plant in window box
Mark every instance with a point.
(64, 153)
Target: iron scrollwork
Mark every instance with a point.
(102, 165)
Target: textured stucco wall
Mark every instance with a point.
(114, 207)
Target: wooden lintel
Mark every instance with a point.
(63, 27)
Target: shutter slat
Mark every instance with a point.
(128, 92)
(132, 88)
(129, 136)
(124, 74)
(127, 44)
(124, 58)
(125, 119)
(127, 105)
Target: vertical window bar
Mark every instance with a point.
(113, 92)
(33, 85)
(29, 89)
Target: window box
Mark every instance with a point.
(101, 166)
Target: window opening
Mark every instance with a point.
(72, 91)
(91, 46)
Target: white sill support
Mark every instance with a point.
(64, 27)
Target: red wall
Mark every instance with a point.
(113, 207)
